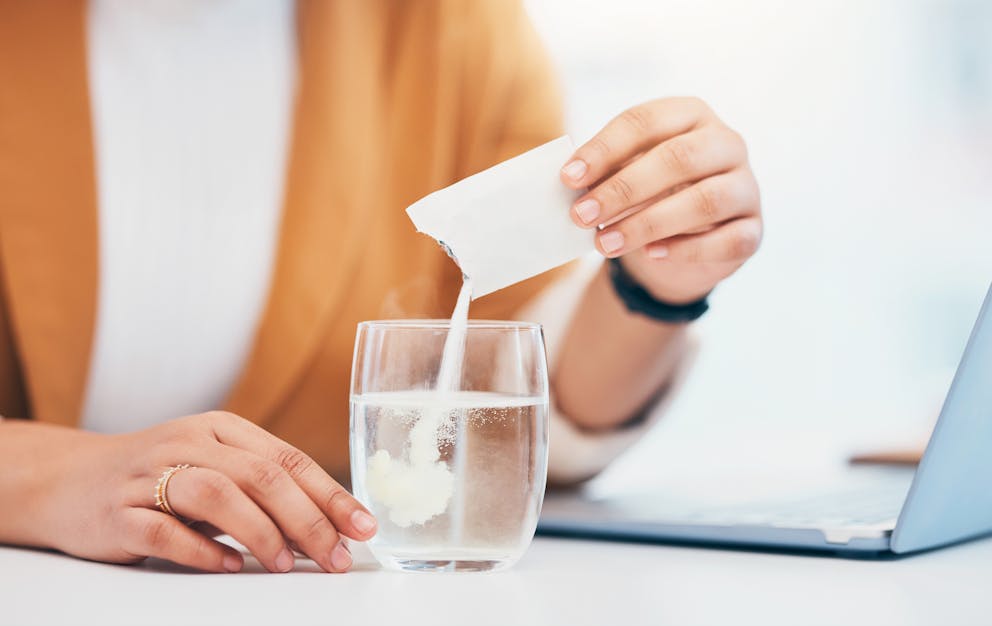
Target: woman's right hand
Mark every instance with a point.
(97, 497)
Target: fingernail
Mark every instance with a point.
(611, 241)
(587, 210)
(362, 521)
(657, 252)
(341, 557)
(232, 563)
(575, 169)
(285, 560)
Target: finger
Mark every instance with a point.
(284, 501)
(696, 208)
(684, 159)
(734, 241)
(347, 514)
(204, 494)
(208, 529)
(630, 133)
(154, 534)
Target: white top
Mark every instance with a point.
(192, 109)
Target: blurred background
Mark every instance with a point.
(870, 130)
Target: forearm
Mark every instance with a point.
(613, 362)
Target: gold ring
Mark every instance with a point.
(162, 486)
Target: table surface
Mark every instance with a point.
(558, 582)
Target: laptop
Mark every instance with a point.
(945, 500)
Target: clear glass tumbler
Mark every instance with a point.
(455, 478)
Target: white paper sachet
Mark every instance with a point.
(509, 222)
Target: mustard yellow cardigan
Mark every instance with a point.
(395, 99)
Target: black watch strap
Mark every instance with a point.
(638, 300)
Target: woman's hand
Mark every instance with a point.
(671, 188)
(100, 500)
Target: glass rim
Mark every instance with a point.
(422, 324)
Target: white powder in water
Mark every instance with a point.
(420, 488)
(413, 492)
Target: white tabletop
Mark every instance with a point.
(557, 582)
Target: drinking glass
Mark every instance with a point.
(454, 476)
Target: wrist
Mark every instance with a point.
(25, 484)
(33, 489)
(677, 295)
(639, 301)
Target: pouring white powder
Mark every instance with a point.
(419, 488)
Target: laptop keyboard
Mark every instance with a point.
(867, 507)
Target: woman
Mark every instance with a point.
(198, 201)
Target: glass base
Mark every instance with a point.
(445, 565)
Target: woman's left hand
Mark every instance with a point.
(671, 188)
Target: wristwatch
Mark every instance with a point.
(638, 300)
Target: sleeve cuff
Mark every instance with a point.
(576, 455)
